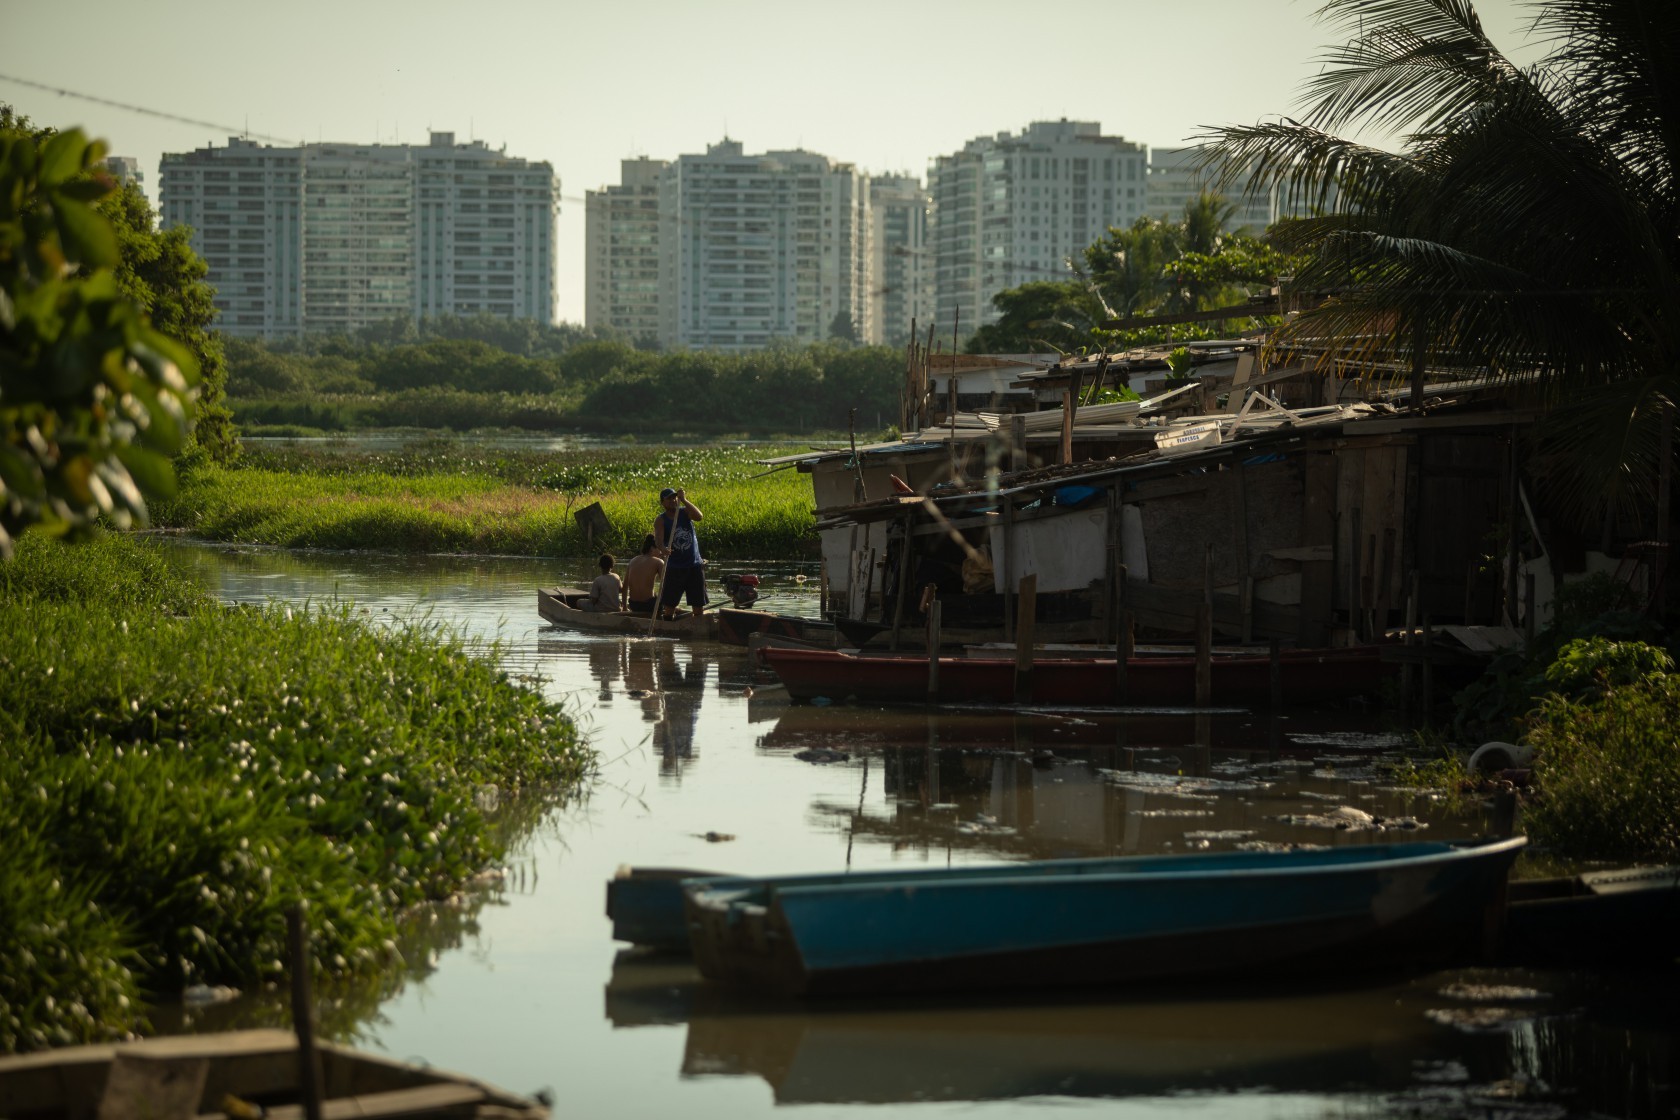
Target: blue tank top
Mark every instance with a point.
(682, 540)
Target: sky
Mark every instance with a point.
(883, 84)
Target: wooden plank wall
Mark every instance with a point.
(1371, 531)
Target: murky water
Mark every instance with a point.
(705, 767)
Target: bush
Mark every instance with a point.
(1605, 760)
(177, 774)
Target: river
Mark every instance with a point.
(704, 767)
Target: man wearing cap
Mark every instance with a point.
(679, 545)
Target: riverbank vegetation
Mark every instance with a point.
(434, 496)
(178, 773)
(467, 374)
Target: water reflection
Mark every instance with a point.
(1315, 1040)
(706, 765)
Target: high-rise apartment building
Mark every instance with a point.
(900, 281)
(1008, 209)
(621, 251)
(1177, 177)
(760, 248)
(332, 237)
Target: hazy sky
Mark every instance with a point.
(884, 85)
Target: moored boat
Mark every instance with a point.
(1629, 917)
(1105, 921)
(559, 606)
(195, 1075)
(1304, 676)
(737, 625)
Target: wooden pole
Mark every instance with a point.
(1009, 596)
(1122, 640)
(1017, 443)
(1026, 613)
(1276, 670)
(859, 493)
(933, 649)
(1204, 635)
(1408, 675)
(303, 1014)
(904, 548)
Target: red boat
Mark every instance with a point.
(1305, 676)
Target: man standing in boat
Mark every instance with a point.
(679, 544)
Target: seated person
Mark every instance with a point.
(606, 594)
(641, 577)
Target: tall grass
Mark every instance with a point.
(433, 498)
(178, 773)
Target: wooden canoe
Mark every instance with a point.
(1306, 676)
(193, 1075)
(1104, 921)
(557, 605)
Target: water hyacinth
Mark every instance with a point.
(433, 497)
(124, 844)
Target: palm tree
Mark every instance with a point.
(1529, 226)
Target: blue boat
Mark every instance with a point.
(1100, 921)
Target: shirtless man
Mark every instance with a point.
(640, 577)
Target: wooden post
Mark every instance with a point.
(1408, 674)
(1064, 453)
(1356, 551)
(1204, 636)
(859, 493)
(1026, 614)
(303, 1014)
(908, 542)
(1276, 668)
(1009, 596)
(1122, 641)
(1017, 443)
(1428, 674)
(822, 590)
(1665, 491)
(933, 649)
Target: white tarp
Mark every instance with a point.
(1069, 552)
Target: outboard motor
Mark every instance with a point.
(741, 589)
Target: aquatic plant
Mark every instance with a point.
(179, 773)
(434, 496)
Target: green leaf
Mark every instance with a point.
(20, 474)
(87, 235)
(152, 472)
(61, 157)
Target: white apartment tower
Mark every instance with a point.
(756, 249)
(333, 237)
(1177, 178)
(621, 251)
(899, 274)
(1008, 209)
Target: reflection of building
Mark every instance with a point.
(334, 237)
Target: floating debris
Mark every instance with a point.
(1479, 1020)
(207, 995)
(1179, 785)
(1279, 846)
(1223, 834)
(1347, 818)
(1175, 813)
(1492, 993)
(821, 756)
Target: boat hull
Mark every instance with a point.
(1100, 922)
(1304, 677)
(555, 607)
(737, 625)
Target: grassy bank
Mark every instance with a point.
(433, 497)
(178, 773)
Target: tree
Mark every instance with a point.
(841, 329)
(1529, 227)
(161, 273)
(94, 401)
